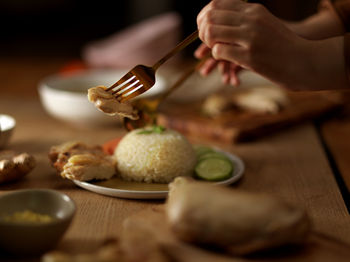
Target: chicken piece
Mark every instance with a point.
(77, 161)
(237, 221)
(109, 105)
(263, 99)
(14, 166)
(215, 104)
(259, 99)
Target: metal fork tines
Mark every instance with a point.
(141, 77)
(135, 82)
(147, 107)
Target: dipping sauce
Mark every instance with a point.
(28, 216)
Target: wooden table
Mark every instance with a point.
(300, 164)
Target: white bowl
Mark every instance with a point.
(65, 97)
(7, 125)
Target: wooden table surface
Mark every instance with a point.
(308, 164)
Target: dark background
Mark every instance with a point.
(62, 27)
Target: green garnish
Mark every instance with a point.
(154, 129)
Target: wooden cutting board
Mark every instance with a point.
(235, 126)
(318, 248)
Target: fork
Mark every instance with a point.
(141, 77)
(148, 107)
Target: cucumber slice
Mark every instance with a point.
(213, 154)
(214, 169)
(201, 150)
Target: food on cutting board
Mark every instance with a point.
(259, 99)
(154, 154)
(14, 166)
(78, 161)
(108, 104)
(215, 104)
(237, 221)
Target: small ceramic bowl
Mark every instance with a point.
(7, 125)
(65, 97)
(23, 238)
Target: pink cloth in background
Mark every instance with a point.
(143, 43)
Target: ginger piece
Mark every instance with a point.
(14, 166)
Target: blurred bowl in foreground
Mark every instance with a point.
(65, 97)
(20, 235)
(7, 125)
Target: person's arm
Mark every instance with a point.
(250, 36)
(324, 24)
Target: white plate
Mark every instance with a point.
(136, 190)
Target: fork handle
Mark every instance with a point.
(185, 75)
(188, 40)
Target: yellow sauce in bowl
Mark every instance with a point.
(28, 216)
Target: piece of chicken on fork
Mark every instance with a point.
(108, 104)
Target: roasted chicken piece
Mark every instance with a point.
(78, 161)
(215, 104)
(260, 99)
(109, 105)
(237, 221)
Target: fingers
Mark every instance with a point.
(209, 63)
(229, 73)
(213, 22)
(208, 66)
(224, 68)
(228, 70)
(234, 53)
(234, 5)
(228, 5)
(221, 17)
(220, 21)
(201, 51)
(212, 34)
(234, 70)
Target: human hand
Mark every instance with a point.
(249, 36)
(246, 35)
(229, 71)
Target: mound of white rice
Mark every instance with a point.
(154, 157)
